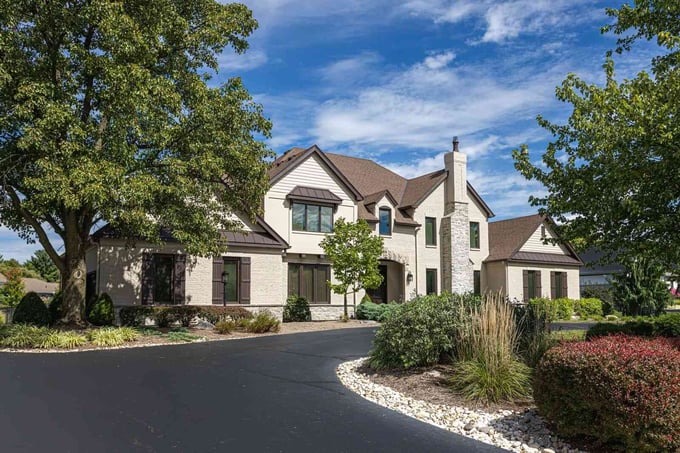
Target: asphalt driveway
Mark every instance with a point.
(276, 393)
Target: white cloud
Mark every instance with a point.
(439, 61)
(230, 61)
(352, 69)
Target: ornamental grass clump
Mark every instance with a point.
(487, 368)
(620, 391)
(263, 322)
(112, 336)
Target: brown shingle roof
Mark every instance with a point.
(369, 177)
(39, 286)
(506, 237)
(419, 188)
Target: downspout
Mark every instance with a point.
(415, 238)
(99, 273)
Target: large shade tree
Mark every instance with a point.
(107, 115)
(612, 171)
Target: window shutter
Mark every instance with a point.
(180, 279)
(525, 278)
(147, 279)
(538, 289)
(553, 292)
(244, 293)
(217, 283)
(564, 285)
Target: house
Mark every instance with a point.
(596, 273)
(435, 229)
(523, 263)
(46, 290)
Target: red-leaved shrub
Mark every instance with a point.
(621, 391)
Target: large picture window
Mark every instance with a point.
(385, 221)
(430, 231)
(311, 217)
(310, 281)
(474, 235)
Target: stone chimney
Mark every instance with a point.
(457, 274)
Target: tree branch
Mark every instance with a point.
(39, 230)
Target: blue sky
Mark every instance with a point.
(396, 80)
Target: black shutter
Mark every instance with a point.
(244, 293)
(525, 279)
(217, 283)
(180, 279)
(147, 278)
(538, 290)
(564, 285)
(553, 292)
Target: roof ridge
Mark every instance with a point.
(516, 218)
(427, 174)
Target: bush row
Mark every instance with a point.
(375, 312)
(263, 322)
(557, 309)
(165, 315)
(35, 337)
(620, 391)
(663, 326)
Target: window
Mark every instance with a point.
(231, 280)
(474, 235)
(311, 217)
(531, 285)
(477, 282)
(431, 281)
(310, 281)
(430, 231)
(385, 221)
(163, 288)
(558, 285)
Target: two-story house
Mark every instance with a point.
(435, 229)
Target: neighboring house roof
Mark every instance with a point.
(591, 266)
(506, 238)
(267, 238)
(313, 194)
(39, 286)
(372, 181)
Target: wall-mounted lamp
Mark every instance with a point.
(409, 277)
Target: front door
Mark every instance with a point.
(379, 294)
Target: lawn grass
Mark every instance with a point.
(568, 335)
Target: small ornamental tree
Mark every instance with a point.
(12, 291)
(354, 251)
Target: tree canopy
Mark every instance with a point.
(42, 264)
(107, 116)
(612, 170)
(355, 252)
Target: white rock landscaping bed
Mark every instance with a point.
(522, 432)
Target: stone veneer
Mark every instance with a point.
(457, 275)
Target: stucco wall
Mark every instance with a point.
(516, 284)
(495, 278)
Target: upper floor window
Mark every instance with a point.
(385, 221)
(474, 235)
(312, 217)
(430, 231)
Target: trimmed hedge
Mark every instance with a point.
(621, 391)
(296, 310)
(667, 325)
(375, 312)
(101, 312)
(166, 315)
(31, 310)
(589, 308)
(419, 332)
(555, 309)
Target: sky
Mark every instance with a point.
(395, 80)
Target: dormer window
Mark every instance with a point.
(312, 217)
(385, 216)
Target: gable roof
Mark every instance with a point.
(506, 238)
(39, 286)
(295, 156)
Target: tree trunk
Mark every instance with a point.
(73, 283)
(345, 304)
(354, 302)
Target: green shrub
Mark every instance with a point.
(555, 309)
(263, 322)
(589, 308)
(533, 329)
(225, 327)
(31, 310)
(667, 325)
(112, 336)
(604, 293)
(215, 314)
(135, 315)
(419, 332)
(21, 336)
(296, 310)
(180, 335)
(54, 308)
(375, 312)
(620, 391)
(102, 312)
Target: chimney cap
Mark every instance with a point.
(455, 144)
